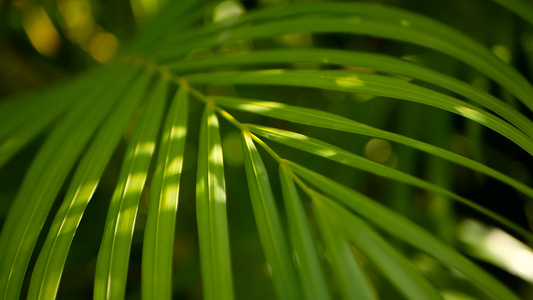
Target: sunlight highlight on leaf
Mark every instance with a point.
(178, 132)
(470, 113)
(227, 11)
(349, 81)
(135, 182)
(214, 155)
(175, 166)
(259, 106)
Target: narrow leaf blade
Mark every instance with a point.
(160, 223)
(405, 230)
(44, 179)
(271, 233)
(392, 264)
(331, 152)
(371, 84)
(49, 267)
(354, 282)
(328, 120)
(211, 212)
(113, 257)
(374, 61)
(310, 271)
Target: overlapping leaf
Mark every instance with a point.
(374, 20)
(328, 120)
(377, 62)
(101, 105)
(211, 211)
(159, 231)
(49, 267)
(113, 257)
(44, 179)
(268, 222)
(374, 85)
(310, 270)
(331, 152)
(403, 229)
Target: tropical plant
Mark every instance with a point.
(292, 107)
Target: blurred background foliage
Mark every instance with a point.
(45, 42)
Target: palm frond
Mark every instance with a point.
(323, 236)
(113, 257)
(268, 222)
(211, 211)
(159, 232)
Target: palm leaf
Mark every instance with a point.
(401, 228)
(159, 232)
(518, 7)
(268, 223)
(49, 267)
(380, 21)
(211, 211)
(374, 85)
(34, 200)
(320, 239)
(327, 120)
(113, 257)
(323, 149)
(353, 280)
(372, 61)
(14, 134)
(311, 275)
(393, 265)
